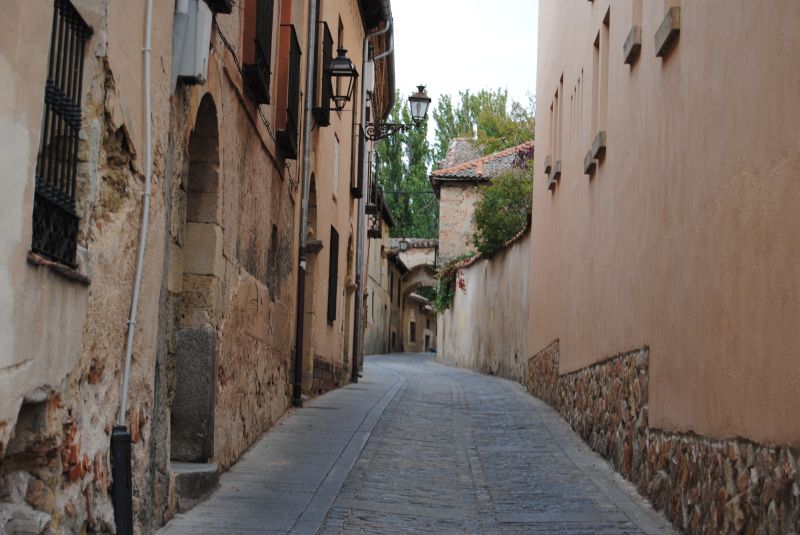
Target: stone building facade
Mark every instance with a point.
(664, 283)
(457, 184)
(218, 292)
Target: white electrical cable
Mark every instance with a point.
(148, 172)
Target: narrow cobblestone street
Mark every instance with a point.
(417, 447)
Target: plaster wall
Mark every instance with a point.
(484, 329)
(336, 206)
(379, 300)
(684, 240)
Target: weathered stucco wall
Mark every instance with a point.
(685, 238)
(485, 328)
(62, 342)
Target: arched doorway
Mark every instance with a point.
(192, 410)
(418, 320)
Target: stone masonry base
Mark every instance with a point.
(703, 485)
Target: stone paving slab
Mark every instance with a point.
(459, 452)
(417, 447)
(288, 480)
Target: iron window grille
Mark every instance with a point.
(257, 75)
(55, 220)
(322, 90)
(333, 274)
(287, 137)
(374, 211)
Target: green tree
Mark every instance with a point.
(486, 117)
(403, 165)
(502, 211)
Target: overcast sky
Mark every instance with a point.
(451, 45)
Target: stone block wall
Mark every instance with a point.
(456, 227)
(326, 377)
(704, 485)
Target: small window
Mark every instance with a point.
(333, 274)
(412, 331)
(55, 218)
(336, 162)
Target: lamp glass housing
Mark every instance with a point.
(341, 68)
(418, 104)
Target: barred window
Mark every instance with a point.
(55, 220)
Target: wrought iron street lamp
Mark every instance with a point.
(341, 75)
(403, 245)
(418, 106)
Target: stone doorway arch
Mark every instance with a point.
(192, 410)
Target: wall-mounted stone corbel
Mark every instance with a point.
(313, 246)
(589, 163)
(555, 175)
(598, 150)
(548, 165)
(632, 45)
(668, 32)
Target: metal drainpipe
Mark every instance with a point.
(297, 386)
(357, 320)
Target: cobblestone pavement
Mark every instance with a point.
(459, 452)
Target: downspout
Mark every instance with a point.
(297, 386)
(122, 494)
(357, 319)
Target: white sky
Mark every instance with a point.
(452, 45)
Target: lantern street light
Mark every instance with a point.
(418, 106)
(341, 75)
(403, 245)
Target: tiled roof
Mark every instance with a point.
(487, 166)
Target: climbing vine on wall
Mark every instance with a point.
(449, 278)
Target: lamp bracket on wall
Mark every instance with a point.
(377, 131)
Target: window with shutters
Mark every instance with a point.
(333, 274)
(258, 49)
(55, 219)
(322, 90)
(289, 119)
